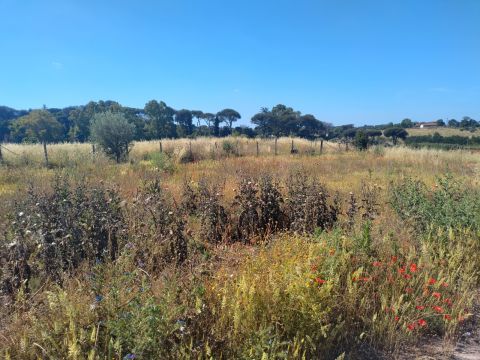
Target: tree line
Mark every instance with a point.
(156, 120)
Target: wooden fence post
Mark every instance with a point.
(45, 153)
(275, 146)
(321, 147)
(161, 149)
(258, 150)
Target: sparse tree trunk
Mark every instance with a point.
(1, 154)
(321, 146)
(45, 153)
(258, 150)
(93, 148)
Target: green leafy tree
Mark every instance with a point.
(184, 120)
(82, 116)
(468, 122)
(395, 133)
(361, 141)
(229, 116)
(309, 127)
(406, 123)
(453, 123)
(282, 120)
(160, 120)
(39, 126)
(264, 122)
(114, 134)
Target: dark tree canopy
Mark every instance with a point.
(229, 116)
(284, 121)
(160, 122)
(82, 116)
(406, 123)
(184, 120)
(395, 133)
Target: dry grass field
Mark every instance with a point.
(444, 131)
(208, 251)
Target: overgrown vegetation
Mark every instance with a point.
(239, 258)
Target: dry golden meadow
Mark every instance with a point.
(210, 250)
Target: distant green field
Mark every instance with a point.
(444, 131)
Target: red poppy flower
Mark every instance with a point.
(431, 281)
(413, 268)
(436, 294)
(320, 281)
(397, 318)
(409, 290)
(393, 259)
(447, 317)
(438, 309)
(407, 276)
(377, 263)
(401, 270)
(422, 322)
(444, 284)
(448, 302)
(411, 327)
(420, 307)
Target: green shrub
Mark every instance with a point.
(161, 161)
(229, 148)
(450, 204)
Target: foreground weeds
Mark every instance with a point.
(285, 269)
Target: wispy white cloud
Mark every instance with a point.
(57, 65)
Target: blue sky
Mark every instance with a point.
(345, 61)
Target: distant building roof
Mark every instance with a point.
(426, 124)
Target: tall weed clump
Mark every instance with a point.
(50, 234)
(159, 235)
(307, 204)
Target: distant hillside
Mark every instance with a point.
(7, 113)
